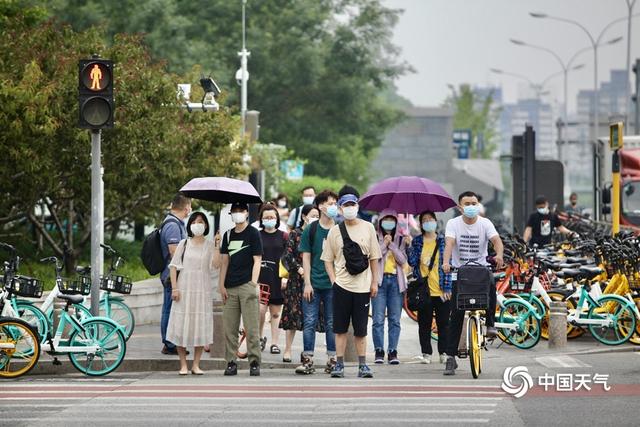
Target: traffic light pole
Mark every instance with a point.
(97, 220)
(615, 192)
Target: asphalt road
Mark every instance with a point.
(408, 394)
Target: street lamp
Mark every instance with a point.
(595, 43)
(566, 67)
(242, 75)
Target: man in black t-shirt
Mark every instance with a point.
(541, 224)
(241, 252)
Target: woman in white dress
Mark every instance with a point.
(191, 269)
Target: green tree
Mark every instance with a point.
(475, 112)
(153, 150)
(318, 69)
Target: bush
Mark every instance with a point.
(293, 189)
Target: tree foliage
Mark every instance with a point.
(153, 150)
(317, 68)
(478, 113)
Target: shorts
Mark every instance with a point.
(276, 301)
(350, 307)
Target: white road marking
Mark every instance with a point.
(561, 362)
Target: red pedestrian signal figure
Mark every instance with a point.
(96, 76)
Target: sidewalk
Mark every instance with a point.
(143, 352)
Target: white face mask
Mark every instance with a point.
(282, 203)
(350, 212)
(197, 229)
(308, 200)
(311, 220)
(238, 217)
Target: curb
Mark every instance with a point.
(47, 367)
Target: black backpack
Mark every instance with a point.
(151, 253)
(356, 261)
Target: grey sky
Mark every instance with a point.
(457, 41)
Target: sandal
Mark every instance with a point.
(274, 349)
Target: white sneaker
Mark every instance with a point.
(443, 358)
(426, 359)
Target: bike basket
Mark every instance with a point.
(472, 287)
(265, 293)
(119, 284)
(27, 287)
(81, 286)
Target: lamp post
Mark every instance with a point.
(595, 43)
(242, 75)
(566, 67)
(630, 5)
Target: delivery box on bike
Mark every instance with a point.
(472, 287)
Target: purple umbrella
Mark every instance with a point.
(407, 194)
(222, 190)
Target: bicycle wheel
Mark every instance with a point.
(19, 347)
(475, 350)
(635, 338)
(111, 343)
(120, 313)
(35, 318)
(412, 314)
(242, 338)
(621, 320)
(527, 326)
(572, 331)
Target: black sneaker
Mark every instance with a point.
(254, 369)
(450, 367)
(393, 358)
(379, 356)
(232, 369)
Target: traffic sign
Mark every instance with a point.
(95, 89)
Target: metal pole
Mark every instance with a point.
(630, 5)
(243, 66)
(596, 116)
(97, 220)
(615, 192)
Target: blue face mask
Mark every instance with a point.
(269, 223)
(471, 211)
(388, 225)
(429, 226)
(543, 211)
(332, 211)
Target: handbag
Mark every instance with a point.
(418, 289)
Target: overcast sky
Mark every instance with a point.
(458, 41)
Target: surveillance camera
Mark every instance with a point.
(209, 86)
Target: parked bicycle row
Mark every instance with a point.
(95, 345)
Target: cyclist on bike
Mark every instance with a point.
(467, 239)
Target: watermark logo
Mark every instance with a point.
(520, 376)
(517, 381)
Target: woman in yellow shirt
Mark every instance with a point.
(425, 257)
(392, 284)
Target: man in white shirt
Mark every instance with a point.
(467, 238)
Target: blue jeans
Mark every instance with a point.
(311, 312)
(164, 320)
(389, 298)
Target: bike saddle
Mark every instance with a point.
(83, 270)
(590, 271)
(570, 266)
(73, 299)
(569, 272)
(577, 260)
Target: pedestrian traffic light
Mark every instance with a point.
(96, 104)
